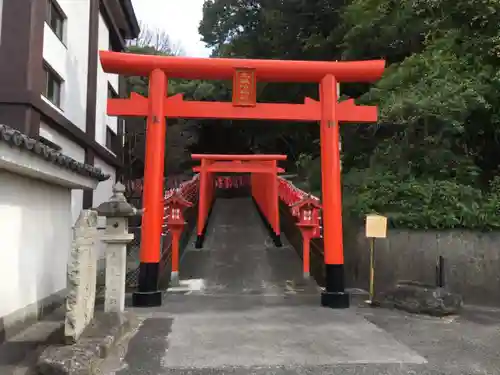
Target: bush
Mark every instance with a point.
(421, 203)
(309, 170)
(411, 202)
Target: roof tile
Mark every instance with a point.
(17, 139)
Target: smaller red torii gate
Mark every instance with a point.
(244, 73)
(264, 186)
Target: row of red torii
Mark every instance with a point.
(244, 73)
(266, 189)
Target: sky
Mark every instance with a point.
(179, 18)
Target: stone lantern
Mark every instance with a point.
(116, 237)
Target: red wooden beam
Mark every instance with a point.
(136, 105)
(241, 168)
(235, 158)
(223, 69)
(176, 107)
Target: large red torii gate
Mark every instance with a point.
(244, 73)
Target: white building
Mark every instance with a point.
(52, 87)
(53, 90)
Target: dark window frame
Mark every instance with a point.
(112, 140)
(51, 77)
(56, 19)
(121, 131)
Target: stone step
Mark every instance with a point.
(18, 355)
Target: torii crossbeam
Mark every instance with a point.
(244, 73)
(176, 107)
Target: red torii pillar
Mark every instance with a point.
(331, 196)
(244, 74)
(153, 198)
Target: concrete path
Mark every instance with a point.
(239, 257)
(243, 309)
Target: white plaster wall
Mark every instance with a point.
(114, 79)
(69, 58)
(105, 188)
(72, 150)
(102, 119)
(35, 232)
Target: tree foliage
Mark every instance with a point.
(432, 158)
(154, 42)
(181, 134)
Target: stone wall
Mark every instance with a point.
(472, 260)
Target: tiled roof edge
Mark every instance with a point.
(17, 139)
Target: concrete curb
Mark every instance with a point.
(85, 357)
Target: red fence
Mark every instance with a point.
(262, 191)
(232, 182)
(135, 187)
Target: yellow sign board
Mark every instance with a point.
(376, 226)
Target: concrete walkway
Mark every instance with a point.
(239, 257)
(243, 309)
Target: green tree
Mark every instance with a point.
(439, 106)
(181, 134)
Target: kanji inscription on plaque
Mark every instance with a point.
(244, 88)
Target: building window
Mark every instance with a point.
(112, 140)
(53, 85)
(55, 18)
(121, 131)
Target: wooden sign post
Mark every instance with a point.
(376, 227)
